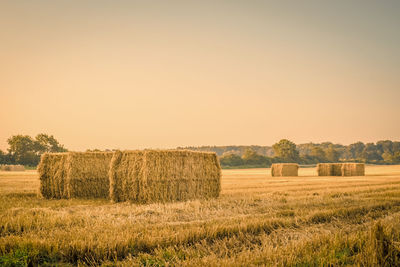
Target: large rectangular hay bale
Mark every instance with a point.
(329, 169)
(284, 169)
(52, 175)
(353, 169)
(87, 174)
(164, 175)
(74, 174)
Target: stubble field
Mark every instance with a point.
(257, 220)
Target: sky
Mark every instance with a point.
(161, 74)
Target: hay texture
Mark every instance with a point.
(12, 168)
(341, 169)
(353, 169)
(164, 175)
(74, 175)
(52, 174)
(329, 169)
(285, 169)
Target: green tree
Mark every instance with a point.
(318, 153)
(231, 159)
(250, 157)
(286, 150)
(22, 149)
(355, 150)
(370, 153)
(331, 154)
(47, 143)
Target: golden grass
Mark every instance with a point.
(257, 220)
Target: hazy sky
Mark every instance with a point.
(161, 74)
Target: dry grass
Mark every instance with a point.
(257, 220)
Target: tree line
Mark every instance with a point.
(26, 150)
(381, 152)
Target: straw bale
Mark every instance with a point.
(329, 169)
(164, 175)
(52, 174)
(75, 174)
(353, 169)
(87, 174)
(284, 169)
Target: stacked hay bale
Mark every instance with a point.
(52, 175)
(87, 174)
(12, 168)
(353, 169)
(329, 169)
(284, 169)
(341, 169)
(164, 175)
(74, 174)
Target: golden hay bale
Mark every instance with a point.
(164, 175)
(74, 174)
(353, 169)
(52, 174)
(329, 169)
(13, 168)
(87, 174)
(284, 169)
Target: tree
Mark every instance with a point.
(250, 157)
(370, 153)
(331, 154)
(318, 153)
(355, 150)
(286, 150)
(47, 143)
(22, 149)
(231, 159)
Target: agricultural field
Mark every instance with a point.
(257, 220)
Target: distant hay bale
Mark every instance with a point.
(284, 169)
(329, 169)
(164, 175)
(75, 175)
(353, 169)
(341, 169)
(12, 168)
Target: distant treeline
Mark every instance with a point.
(26, 150)
(381, 152)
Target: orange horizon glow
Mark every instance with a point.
(127, 74)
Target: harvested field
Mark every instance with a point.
(257, 220)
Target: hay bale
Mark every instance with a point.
(74, 175)
(87, 174)
(12, 168)
(284, 169)
(329, 169)
(164, 175)
(52, 174)
(353, 169)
